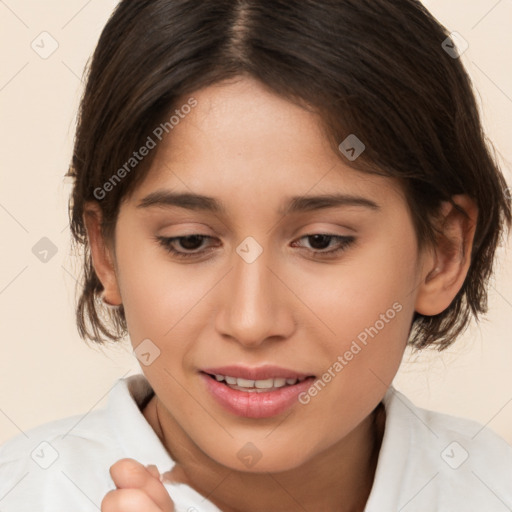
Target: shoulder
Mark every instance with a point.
(49, 467)
(447, 462)
(64, 464)
(462, 439)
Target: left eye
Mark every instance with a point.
(195, 241)
(322, 239)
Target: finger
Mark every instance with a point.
(175, 475)
(130, 474)
(153, 470)
(130, 500)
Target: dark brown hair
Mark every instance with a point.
(374, 68)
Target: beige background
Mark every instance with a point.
(46, 371)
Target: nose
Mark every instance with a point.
(256, 305)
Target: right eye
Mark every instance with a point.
(188, 243)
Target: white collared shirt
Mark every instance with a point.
(428, 462)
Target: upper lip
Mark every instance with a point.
(256, 373)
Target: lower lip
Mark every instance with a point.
(255, 404)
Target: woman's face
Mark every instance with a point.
(259, 297)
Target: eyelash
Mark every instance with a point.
(166, 242)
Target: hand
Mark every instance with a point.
(139, 489)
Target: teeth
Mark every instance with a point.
(244, 383)
(252, 385)
(279, 383)
(264, 384)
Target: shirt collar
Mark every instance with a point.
(135, 435)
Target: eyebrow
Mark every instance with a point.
(164, 198)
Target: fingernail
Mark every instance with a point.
(166, 477)
(153, 469)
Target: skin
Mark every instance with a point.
(290, 307)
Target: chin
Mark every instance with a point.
(255, 458)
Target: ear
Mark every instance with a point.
(102, 254)
(445, 268)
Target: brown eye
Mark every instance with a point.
(320, 241)
(190, 243)
(187, 243)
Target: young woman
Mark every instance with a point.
(273, 200)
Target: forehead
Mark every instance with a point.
(243, 141)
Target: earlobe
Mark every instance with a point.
(101, 253)
(445, 270)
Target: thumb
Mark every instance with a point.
(130, 474)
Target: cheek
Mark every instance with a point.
(368, 305)
(156, 293)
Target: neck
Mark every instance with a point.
(339, 479)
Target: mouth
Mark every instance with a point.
(255, 392)
(256, 386)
